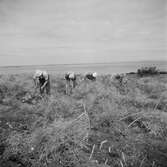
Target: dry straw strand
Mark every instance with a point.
(101, 144)
(142, 162)
(130, 115)
(123, 157)
(92, 152)
(121, 163)
(106, 161)
(134, 122)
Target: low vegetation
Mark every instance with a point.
(101, 124)
(148, 71)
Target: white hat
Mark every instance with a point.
(38, 73)
(71, 75)
(94, 74)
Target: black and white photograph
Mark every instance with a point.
(83, 83)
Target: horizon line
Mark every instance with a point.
(138, 61)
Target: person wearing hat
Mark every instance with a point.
(70, 78)
(91, 76)
(41, 80)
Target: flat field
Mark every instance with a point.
(101, 124)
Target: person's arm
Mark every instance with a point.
(46, 81)
(43, 86)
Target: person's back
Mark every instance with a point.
(70, 76)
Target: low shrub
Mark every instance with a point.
(145, 71)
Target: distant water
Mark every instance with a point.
(109, 68)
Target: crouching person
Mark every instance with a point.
(70, 78)
(42, 81)
(91, 76)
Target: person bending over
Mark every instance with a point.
(70, 78)
(91, 76)
(42, 81)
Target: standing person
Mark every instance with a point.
(42, 80)
(70, 78)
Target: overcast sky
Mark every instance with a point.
(81, 31)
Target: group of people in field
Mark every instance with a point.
(42, 80)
